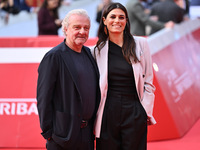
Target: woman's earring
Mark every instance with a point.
(105, 30)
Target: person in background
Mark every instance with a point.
(22, 5)
(100, 8)
(48, 18)
(126, 83)
(66, 2)
(184, 4)
(148, 3)
(68, 91)
(168, 10)
(9, 7)
(139, 19)
(4, 15)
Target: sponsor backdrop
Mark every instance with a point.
(176, 63)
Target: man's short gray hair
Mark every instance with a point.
(66, 22)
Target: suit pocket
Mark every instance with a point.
(65, 132)
(62, 124)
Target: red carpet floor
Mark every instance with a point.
(190, 141)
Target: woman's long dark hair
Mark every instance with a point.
(55, 11)
(129, 46)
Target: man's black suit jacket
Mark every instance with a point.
(58, 97)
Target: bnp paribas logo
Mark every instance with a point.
(18, 106)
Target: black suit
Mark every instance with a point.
(58, 96)
(167, 10)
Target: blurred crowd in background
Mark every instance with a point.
(146, 16)
(15, 6)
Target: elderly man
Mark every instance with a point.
(68, 91)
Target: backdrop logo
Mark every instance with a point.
(17, 106)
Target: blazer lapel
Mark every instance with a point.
(136, 70)
(137, 66)
(92, 60)
(70, 65)
(102, 62)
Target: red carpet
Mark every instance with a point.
(190, 141)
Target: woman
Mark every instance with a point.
(48, 19)
(126, 76)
